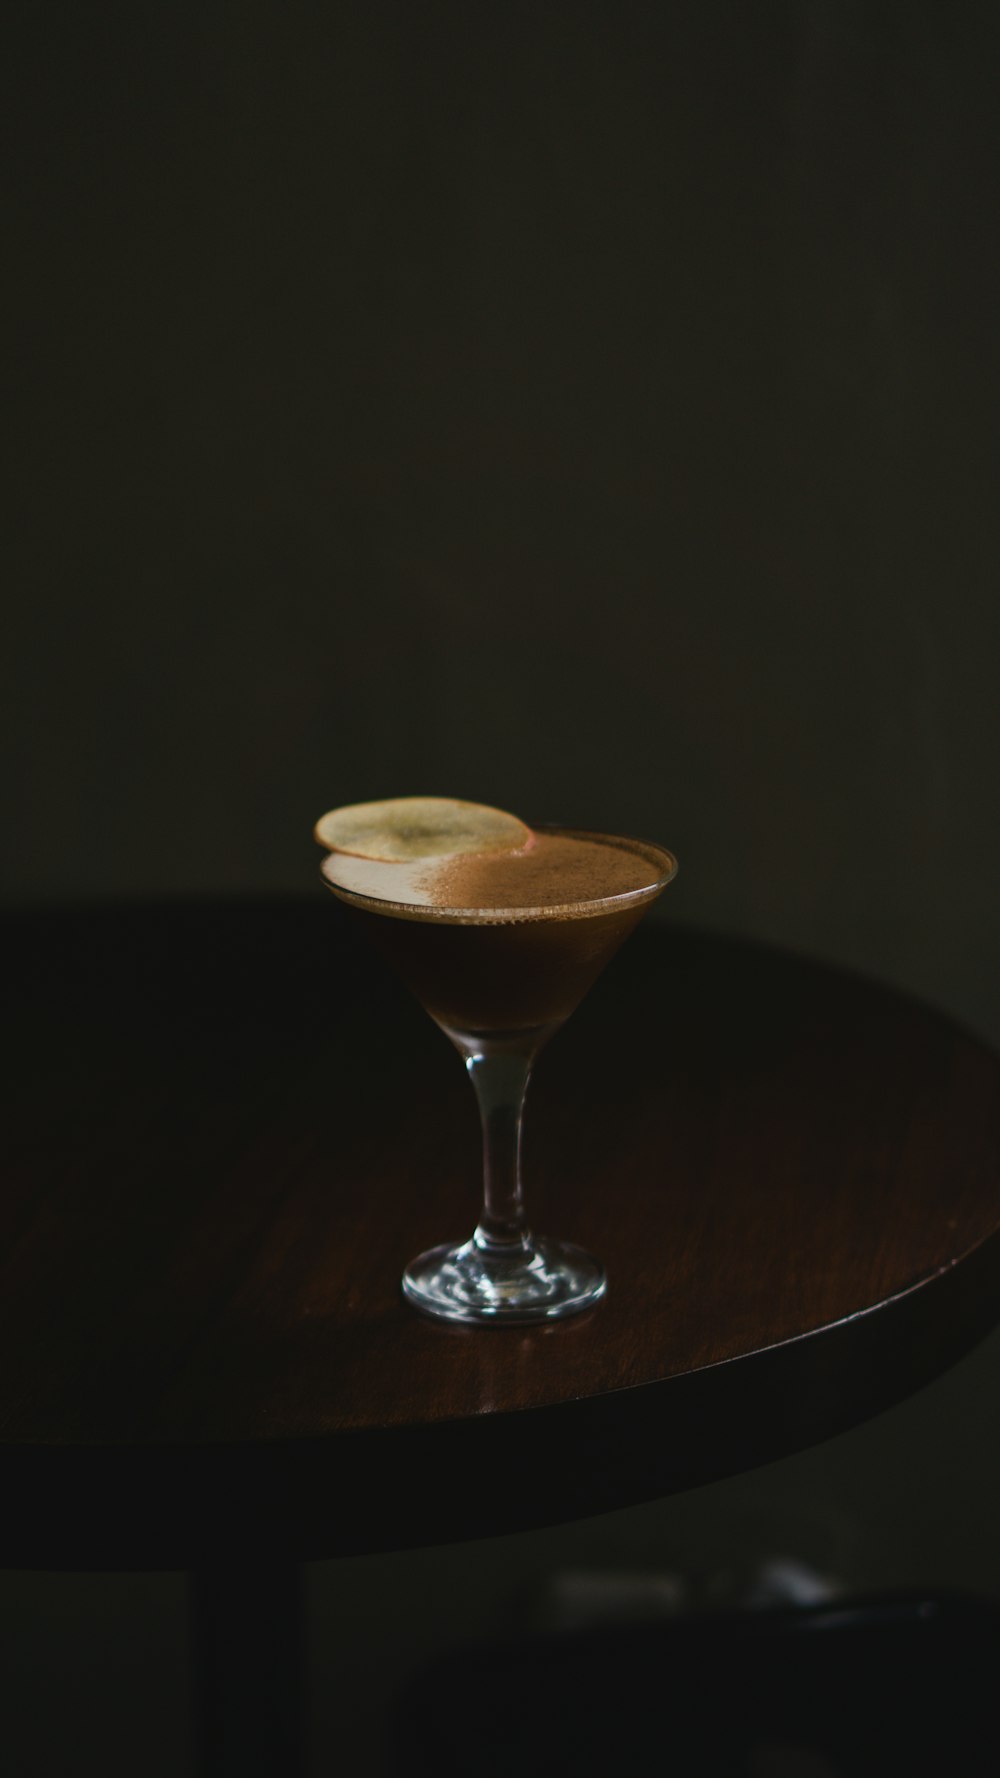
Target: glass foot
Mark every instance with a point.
(543, 1282)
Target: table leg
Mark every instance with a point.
(247, 1631)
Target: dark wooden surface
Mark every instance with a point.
(227, 1129)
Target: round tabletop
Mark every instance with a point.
(229, 1128)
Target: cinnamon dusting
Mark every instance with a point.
(558, 871)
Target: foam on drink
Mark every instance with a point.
(556, 874)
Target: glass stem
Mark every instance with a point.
(500, 1077)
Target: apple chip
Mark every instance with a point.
(410, 827)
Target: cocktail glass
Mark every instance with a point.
(500, 984)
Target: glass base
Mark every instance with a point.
(543, 1282)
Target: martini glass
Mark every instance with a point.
(500, 981)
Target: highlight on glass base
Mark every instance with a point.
(499, 929)
(541, 1281)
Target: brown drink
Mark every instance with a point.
(505, 942)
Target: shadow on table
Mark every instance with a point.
(894, 1684)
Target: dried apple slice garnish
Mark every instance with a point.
(406, 828)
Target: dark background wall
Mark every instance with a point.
(589, 408)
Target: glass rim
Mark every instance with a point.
(572, 910)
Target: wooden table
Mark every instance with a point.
(228, 1130)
